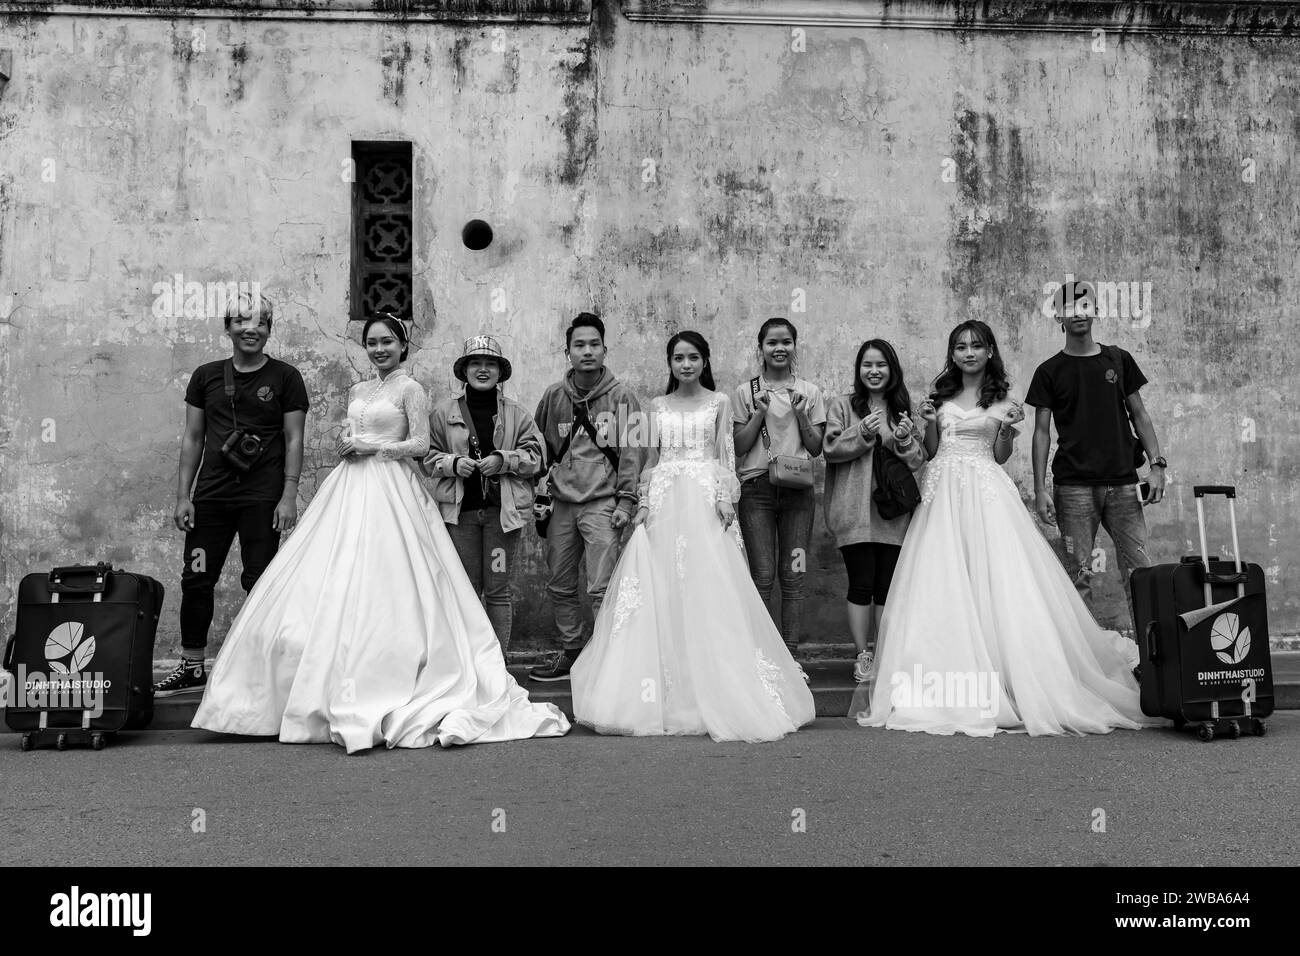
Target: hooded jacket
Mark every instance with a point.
(584, 473)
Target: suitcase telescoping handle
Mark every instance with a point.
(61, 580)
(1239, 578)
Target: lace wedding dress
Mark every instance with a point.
(683, 644)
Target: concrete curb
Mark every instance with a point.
(832, 686)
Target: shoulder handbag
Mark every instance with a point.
(491, 483)
(896, 492)
(1139, 453)
(783, 471)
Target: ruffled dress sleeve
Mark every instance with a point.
(1001, 410)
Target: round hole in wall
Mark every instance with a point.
(476, 235)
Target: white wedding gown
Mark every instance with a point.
(983, 630)
(364, 629)
(683, 644)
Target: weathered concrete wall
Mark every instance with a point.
(670, 175)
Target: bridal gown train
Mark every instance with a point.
(683, 643)
(364, 629)
(980, 600)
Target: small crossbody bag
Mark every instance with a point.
(783, 471)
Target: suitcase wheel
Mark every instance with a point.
(1206, 731)
(25, 743)
(1234, 729)
(61, 742)
(97, 741)
(1258, 727)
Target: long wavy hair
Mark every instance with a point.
(706, 374)
(949, 382)
(897, 399)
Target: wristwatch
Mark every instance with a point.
(1160, 463)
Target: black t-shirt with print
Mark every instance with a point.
(1095, 443)
(262, 399)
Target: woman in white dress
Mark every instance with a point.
(364, 630)
(983, 630)
(683, 644)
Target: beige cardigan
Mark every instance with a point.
(851, 516)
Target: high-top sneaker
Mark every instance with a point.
(189, 677)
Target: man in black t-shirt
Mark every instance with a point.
(1092, 392)
(250, 489)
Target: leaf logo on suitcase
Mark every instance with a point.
(1230, 645)
(66, 651)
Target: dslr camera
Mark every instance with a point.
(242, 449)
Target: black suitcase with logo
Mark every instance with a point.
(1202, 632)
(81, 654)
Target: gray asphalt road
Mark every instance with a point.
(865, 796)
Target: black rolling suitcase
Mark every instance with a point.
(1202, 633)
(81, 654)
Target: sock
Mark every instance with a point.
(190, 661)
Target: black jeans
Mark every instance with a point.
(206, 546)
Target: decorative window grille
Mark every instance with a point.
(381, 236)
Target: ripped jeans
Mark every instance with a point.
(1079, 511)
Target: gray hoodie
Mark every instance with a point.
(585, 474)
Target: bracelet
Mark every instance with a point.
(291, 477)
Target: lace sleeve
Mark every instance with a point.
(724, 447)
(649, 457)
(416, 407)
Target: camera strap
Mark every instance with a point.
(473, 432)
(582, 417)
(230, 389)
(491, 485)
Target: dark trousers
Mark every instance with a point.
(870, 566)
(206, 547)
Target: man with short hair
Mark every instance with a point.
(244, 420)
(592, 481)
(1091, 391)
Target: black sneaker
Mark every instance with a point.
(187, 678)
(558, 669)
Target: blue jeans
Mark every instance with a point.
(488, 554)
(776, 524)
(1080, 509)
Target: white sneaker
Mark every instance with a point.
(864, 668)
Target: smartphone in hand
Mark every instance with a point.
(1144, 492)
